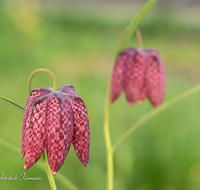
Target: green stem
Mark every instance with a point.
(109, 148)
(11, 103)
(41, 70)
(152, 114)
(139, 38)
(49, 174)
(121, 37)
(133, 24)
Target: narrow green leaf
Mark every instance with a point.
(134, 23)
(11, 103)
(154, 113)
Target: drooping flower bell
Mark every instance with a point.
(140, 73)
(52, 121)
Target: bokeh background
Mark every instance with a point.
(77, 41)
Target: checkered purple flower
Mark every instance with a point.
(52, 121)
(140, 73)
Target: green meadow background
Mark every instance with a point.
(77, 42)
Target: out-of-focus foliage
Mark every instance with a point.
(78, 46)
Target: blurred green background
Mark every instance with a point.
(77, 42)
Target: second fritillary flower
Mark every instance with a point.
(140, 74)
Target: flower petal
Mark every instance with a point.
(117, 77)
(59, 129)
(69, 89)
(35, 94)
(155, 78)
(81, 134)
(35, 132)
(134, 69)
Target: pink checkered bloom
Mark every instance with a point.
(140, 74)
(52, 121)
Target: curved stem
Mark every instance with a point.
(109, 148)
(139, 38)
(11, 103)
(41, 70)
(133, 24)
(49, 174)
(48, 171)
(152, 114)
(121, 36)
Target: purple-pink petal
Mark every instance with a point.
(69, 89)
(34, 95)
(81, 134)
(50, 123)
(117, 77)
(128, 75)
(59, 130)
(133, 80)
(35, 132)
(155, 78)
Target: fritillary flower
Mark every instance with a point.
(154, 78)
(140, 74)
(52, 121)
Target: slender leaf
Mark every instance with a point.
(134, 23)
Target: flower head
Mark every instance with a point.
(140, 73)
(52, 121)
